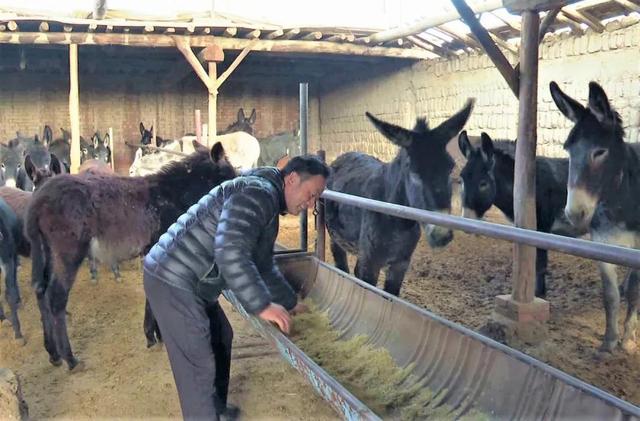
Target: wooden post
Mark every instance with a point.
(213, 106)
(113, 152)
(524, 198)
(153, 132)
(198, 127)
(521, 312)
(74, 108)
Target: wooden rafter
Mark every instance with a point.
(511, 23)
(494, 53)
(575, 27)
(585, 17)
(429, 46)
(547, 22)
(503, 43)
(186, 51)
(630, 6)
(463, 38)
(236, 62)
(161, 40)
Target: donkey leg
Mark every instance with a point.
(58, 296)
(93, 268)
(339, 257)
(12, 295)
(115, 268)
(631, 321)
(611, 298)
(395, 275)
(47, 329)
(151, 330)
(367, 270)
(542, 260)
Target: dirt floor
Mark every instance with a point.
(122, 378)
(460, 282)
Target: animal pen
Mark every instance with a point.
(464, 369)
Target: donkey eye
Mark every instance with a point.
(599, 154)
(484, 185)
(2, 167)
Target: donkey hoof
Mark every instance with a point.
(629, 346)
(77, 367)
(155, 347)
(56, 362)
(21, 341)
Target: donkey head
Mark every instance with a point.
(596, 152)
(11, 169)
(40, 164)
(478, 179)
(243, 124)
(427, 165)
(100, 149)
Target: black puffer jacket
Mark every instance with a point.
(226, 241)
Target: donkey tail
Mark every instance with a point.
(38, 251)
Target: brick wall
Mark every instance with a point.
(438, 88)
(28, 101)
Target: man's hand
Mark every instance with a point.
(299, 308)
(277, 314)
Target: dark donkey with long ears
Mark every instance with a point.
(419, 177)
(124, 215)
(603, 195)
(487, 179)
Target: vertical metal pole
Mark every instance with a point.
(304, 115)
(320, 233)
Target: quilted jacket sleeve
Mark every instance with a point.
(244, 216)
(280, 289)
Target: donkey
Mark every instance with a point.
(98, 149)
(10, 243)
(603, 195)
(419, 176)
(487, 179)
(124, 215)
(61, 148)
(242, 124)
(12, 168)
(38, 162)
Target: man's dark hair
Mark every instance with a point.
(306, 166)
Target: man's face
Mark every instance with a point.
(301, 195)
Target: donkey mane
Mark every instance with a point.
(422, 126)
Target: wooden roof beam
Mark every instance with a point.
(511, 23)
(584, 17)
(630, 6)
(432, 48)
(185, 49)
(518, 6)
(463, 38)
(494, 53)
(575, 27)
(548, 20)
(161, 40)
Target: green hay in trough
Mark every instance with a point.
(369, 373)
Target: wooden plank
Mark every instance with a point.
(430, 21)
(312, 36)
(3, 27)
(230, 32)
(161, 40)
(211, 53)
(469, 41)
(74, 108)
(233, 65)
(44, 26)
(511, 23)
(341, 37)
(274, 34)
(113, 152)
(149, 29)
(170, 31)
(435, 49)
(186, 51)
(504, 44)
(518, 6)
(213, 107)
(108, 29)
(548, 20)
(92, 27)
(575, 27)
(630, 6)
(483, 37)
(198, 120)
(12, 25)
(253, 34)
(584, 17)
(524, 198)
(291, 33)
(67, 28)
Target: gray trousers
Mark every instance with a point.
(198, 338)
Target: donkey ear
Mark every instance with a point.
(29, 167)
(106, 140)
(55, 165)
(142, 128)
(599, 104)
(199, 147)
(240, 115)
(396, 134)
(96, 141)
(464, 144)
(217, 152)
(47, 136)
(486, 148)
(252, 117)
(138, 154)
(451, 127)
(567, 105)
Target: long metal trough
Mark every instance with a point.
(464, 370)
